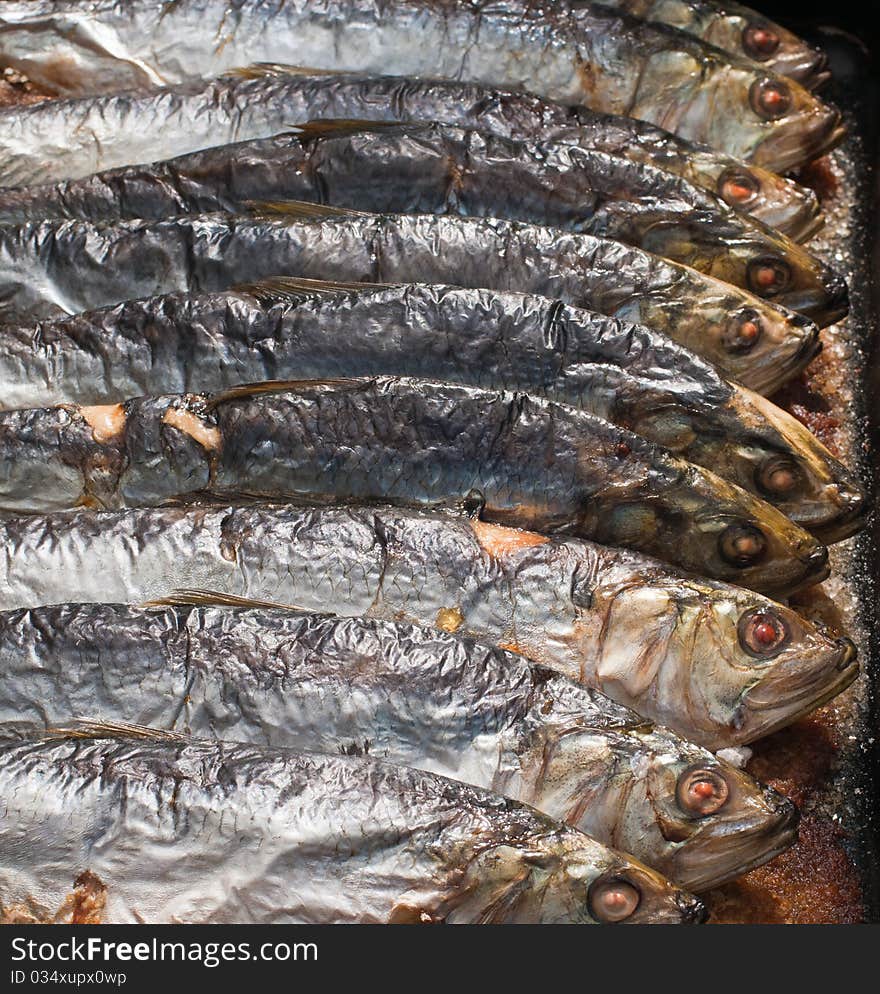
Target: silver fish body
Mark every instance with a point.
(49, 269)
(526, 462)
(570, 605)
(576, 53)
(68, 139)
(623, 373)
(433, 168)
(210, 832)
(400, 694)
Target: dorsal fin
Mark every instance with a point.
(246, 390)
(98, 728)
(214, 598)
(301, 210)
(267, 70)
(292, 289)
(338, 127)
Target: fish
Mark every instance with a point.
(739, 30)
(624, 373)
(573, 52)
(402, 694)
(119, 129)
(50, 269)
(719, 664)
(434, 168)
(515, 459)
(242, 834)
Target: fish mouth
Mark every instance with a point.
(812, 70)
(801, 142)
(814, 569)
(825, 304)
(847, 516)
(793, 690)
(729, 851)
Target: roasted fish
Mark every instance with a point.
(50, 269)
(724, 666)
(434, 168)
(239, 834)
(624, 373)
(520, 460)
(574, 52)
(105, 132)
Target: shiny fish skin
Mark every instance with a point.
(400, 694)
(576, 53)
(209, 832)
(624, 373)
(531, 464)
(433, 168)
(733, 27)
(53, 268)
(57, 140)
(573, 606)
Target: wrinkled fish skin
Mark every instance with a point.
(736, 29)
(577, 53)
(405, 695)
(573, 606)
(49, 269)
(211, 832)
(527, 462)
(62, 140)
(437, 169)
(623, 373)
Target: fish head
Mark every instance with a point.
(779, 202)
(564, 877)
(721, 665)
(789, 467)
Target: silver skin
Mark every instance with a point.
(60, 140)
(577, 608)
(623, 373)
(435, 168)
(524, 461)
(576, 53)
(400, 694)
(221, 833)
(52, 269)
(730, 26)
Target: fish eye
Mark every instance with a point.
(613, 899)
(742, 545)
(762, 633)
(768, 276)
(770, 98)
(737, 187)
(743, 332)
(701, 792)
(777, 476)
(759, 42)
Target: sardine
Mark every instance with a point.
(50, 269)
(623, 373)
(720, 664)
(736, 29)
(438, 169)
(574, 52)
(520, 460)
(212, 832)
(60, 140)
(401, 694)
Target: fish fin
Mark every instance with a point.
(281, 386)
(291, 289)
(214, 598)
(301, 210)
(269, 70)
(338, 127)
(98, 728)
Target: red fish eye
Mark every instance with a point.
(762, 633)
(737, 187)
(744, 332)
(701, 792)
(741, 545)
(759, 42)
(613, 899)
(777, 477)
(768, 277)
(770, 98)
